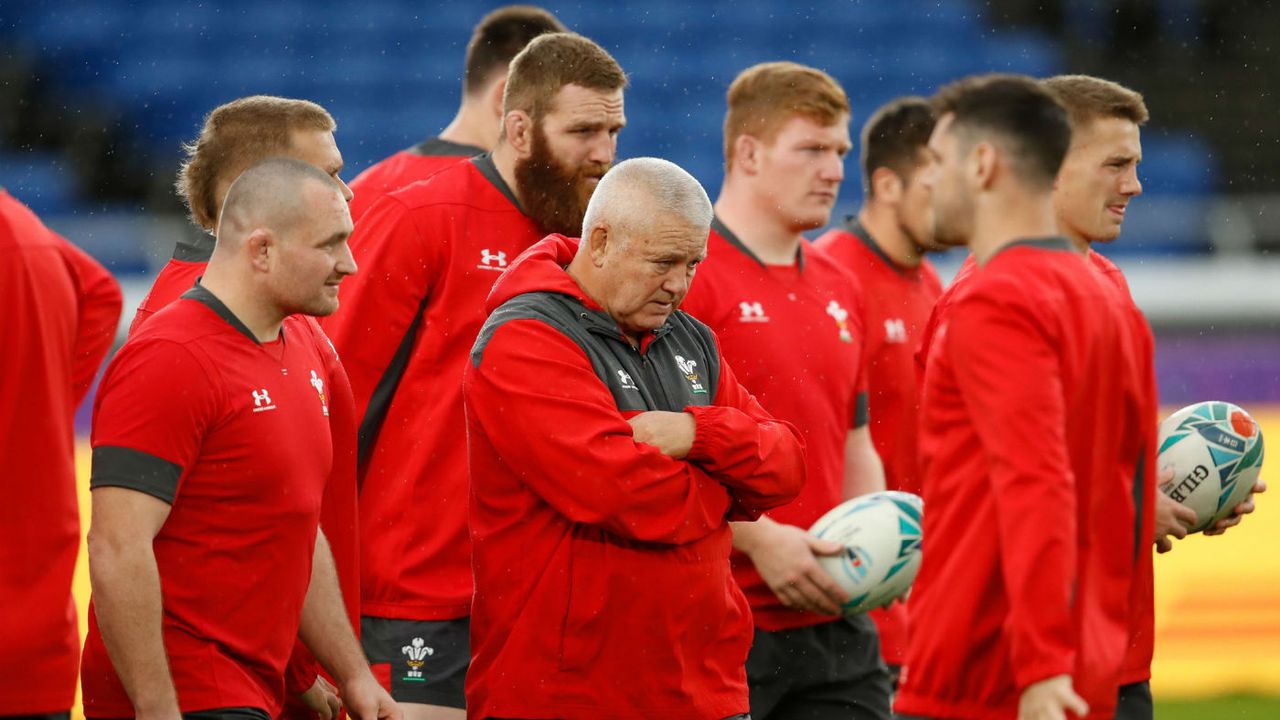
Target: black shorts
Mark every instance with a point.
(832, 670)
(1134, 702)
(42, 716)
(419, 661)
(230, 713)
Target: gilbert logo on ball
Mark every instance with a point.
(1215, 451)
(882, 536)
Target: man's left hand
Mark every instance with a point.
(322, 699)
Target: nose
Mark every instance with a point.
(346, 264)
(833, 168)
(676, 282)
(1131, 186)
(347, 192)
(604, 146)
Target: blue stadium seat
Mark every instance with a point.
(42, 180)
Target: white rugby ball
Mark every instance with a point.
(1215, 450)
(881, 533)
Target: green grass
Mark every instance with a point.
(1232, 707)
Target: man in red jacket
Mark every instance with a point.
(610, 445)
(212, 446)
(789, 318)
(61, 309)
(474, 129)
(884, 247)
(430, 253)
(235, 136)
(1029, 392)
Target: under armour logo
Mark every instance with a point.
(895, 331)
(262, 401)
(492, 261)
(752, 312)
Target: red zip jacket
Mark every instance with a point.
(1137, 665)
(404, 168)
(339, 517)
(1028, 403)
(603, 586)
(428, 256)
(61, 309)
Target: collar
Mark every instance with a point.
(484, 163)
(723, 230)
(195, 248)
(1051, 242)
(439, 147)
(202, 295)
(854, 227)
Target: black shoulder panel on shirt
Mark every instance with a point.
(124, 467)
(861, 411)
(437, 147)
(202, 295)
(484, 163)
(385, 390)
(723, 231)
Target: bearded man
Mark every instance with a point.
(432, 251)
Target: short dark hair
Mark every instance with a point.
(500, 36)
(551, 62)
(894, 137)
(1026, 119)
(1089, 98)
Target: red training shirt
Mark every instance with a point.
(235, 435)
(795, 338)
(405, 168)
(428, 255)
(338, 511)
(61, 309)
(896, 302)
(1027, 404)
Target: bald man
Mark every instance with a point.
(610, 446)
(211, 446)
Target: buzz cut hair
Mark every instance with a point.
(1014, 112)
(499, 37)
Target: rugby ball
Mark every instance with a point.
(881, 533)
(1215, 451)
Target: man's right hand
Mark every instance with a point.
(1172, 517)
(787, 558)
(367, 700)
(670, 432)
(1051, 699)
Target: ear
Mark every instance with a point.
(261, 245)
(886, 185)
(519, 131)
(494, 97)
(983, 162)
(599, 244)
(746, 154)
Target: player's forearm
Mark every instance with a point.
(863, 470)
(748, 535)
(127, 602)
(325, 628)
